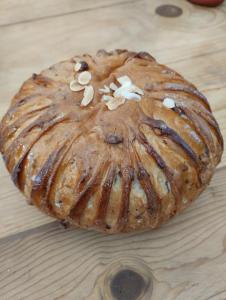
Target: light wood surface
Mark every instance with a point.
(186, 258)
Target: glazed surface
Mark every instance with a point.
(128, 169)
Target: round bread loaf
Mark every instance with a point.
(114, 142)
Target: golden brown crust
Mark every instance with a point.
(116, 171)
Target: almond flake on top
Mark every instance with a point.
(124, 80)
(75, 86)
(169, 103)
(84, 77)
(127, 91)
(77, 66)
(88, 95)
(132, 96)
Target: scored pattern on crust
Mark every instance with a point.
(92, 167)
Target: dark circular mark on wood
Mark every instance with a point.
(113, 139)
(170, 11)
(127, 285)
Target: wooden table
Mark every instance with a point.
(186, 258)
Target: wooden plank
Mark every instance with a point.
(185, 259)
(15, 12)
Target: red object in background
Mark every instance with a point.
(207, 2)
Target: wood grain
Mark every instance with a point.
(26, 11)
(186, 257)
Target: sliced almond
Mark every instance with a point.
(75, 86)
(124, 80)
(169, 103)
(113, 86)
(120, 92)
(115, 103)
(132, 96)
(106, 98)
(88, 95)
(77, 66)
(105, 90)
(84, 77)
(127, 93)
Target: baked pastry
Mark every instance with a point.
(114, 142)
